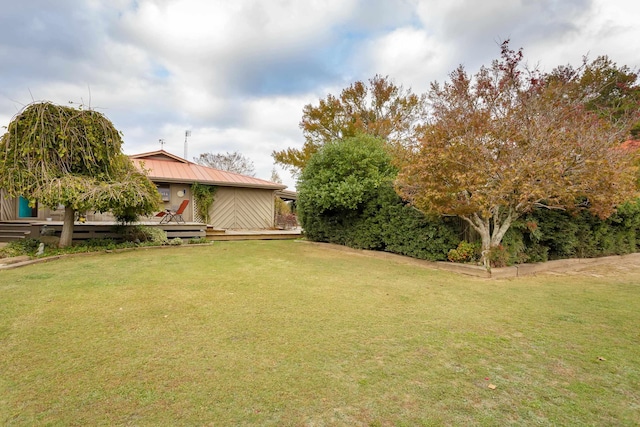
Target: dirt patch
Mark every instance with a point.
(615, 266)
(594, 267)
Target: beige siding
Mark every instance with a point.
(7, 207)
(222, 213)
(242, 208)
(176, 200)
(233, 208)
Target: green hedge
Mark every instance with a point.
(551, 234)
(383, 223)
(346, 196)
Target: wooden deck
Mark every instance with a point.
(228, 235)
(14, 230)
(90, 230)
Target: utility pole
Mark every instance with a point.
(187, 133)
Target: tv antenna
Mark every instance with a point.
(187, 133)
(161, 141)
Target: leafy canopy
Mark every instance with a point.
(59, 155)
(508, 139)
(346, 196)
(380, 108)
(343, 174)
(609, 90)
(232, 162)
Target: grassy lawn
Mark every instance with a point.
(292, 334)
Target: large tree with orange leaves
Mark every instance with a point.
(509, 139)
(381, 109)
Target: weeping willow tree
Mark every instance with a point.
(60, 155)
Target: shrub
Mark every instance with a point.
(346, 196)
(100, 243)
(20, 247)
(93, 245)
(407, 231)
(157, 235)
(545, 234)
(384, 223)
(465, 252)
(132, 233)
(142, 234)
(286, 221)
(176, 241)
(537, 253)
(498, 256)
(204, 196)
(125, 216)
(198, 241)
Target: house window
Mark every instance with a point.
(165, 193)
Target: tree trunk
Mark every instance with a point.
(483, 227)
(66, 236)
(500, 229)
(490, 239)
(485, 234)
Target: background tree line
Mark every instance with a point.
(489, 148)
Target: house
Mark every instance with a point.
(241, 202)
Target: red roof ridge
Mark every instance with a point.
(159, 153)
(162, 166)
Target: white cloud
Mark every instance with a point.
(410, 57)
(238, 73)
(268, 126)
(203, 33)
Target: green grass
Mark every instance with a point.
(287, 333)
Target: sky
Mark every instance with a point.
(237, 74)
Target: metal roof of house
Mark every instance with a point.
(287, 195)
(161, 166)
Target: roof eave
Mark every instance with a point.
(215, 183)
